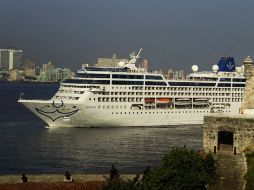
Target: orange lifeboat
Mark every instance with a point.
(149, 100)
(163, 100)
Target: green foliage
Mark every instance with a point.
(119, 184)
(181, 169)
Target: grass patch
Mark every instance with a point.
(250, 173)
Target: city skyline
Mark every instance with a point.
(175, 34)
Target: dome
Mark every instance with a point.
(194, 68)
(121, 64)
(247, 60)
(215, 68)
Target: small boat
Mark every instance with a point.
(149, 100)
(182, 103)
(200, 103)
(183, 99)
(163, 100)
(200, 99)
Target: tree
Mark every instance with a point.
(181, 169)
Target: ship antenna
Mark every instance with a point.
(137, 56)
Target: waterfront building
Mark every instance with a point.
(144, 64)
(29, 68)
(37, 70)
(176, 75)
(46, 73)
(4, 75)
(14, 75)
(29, 63)
(59, 74)
(10, 59)
(109, 62)
(181, 74)
(48, 66)
(170, 75)
(29, 72)
(49, 73)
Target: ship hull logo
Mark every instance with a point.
(230, 65)
(57, 113)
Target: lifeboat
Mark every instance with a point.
(163, 100)
(183, 101)
(149, 100)
(200, 101)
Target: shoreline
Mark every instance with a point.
(52, 178)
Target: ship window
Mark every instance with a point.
(224, 85)
(239, 80)
(153, 77)
(238, 85)
(128, 82)
(79, 81)
(86, 75)
(190, 84)
(156, 83)
(225, 79)
(128, 76)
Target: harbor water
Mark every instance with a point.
(27, 146)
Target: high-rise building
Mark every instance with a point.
(47, 71)
(176, 75)
(48, 66)
(109, 62)
(170, 75)
(144, 64)
(29, 63)
(37, 70)
(10, 59)
(14, 75)
(59, 74)
(181, 74)
(29, 68)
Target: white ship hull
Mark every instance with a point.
(130, 96)
(90, 116)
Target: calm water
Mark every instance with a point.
(26, 146)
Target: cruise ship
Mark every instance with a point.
(130, 96)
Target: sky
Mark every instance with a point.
(173, 33)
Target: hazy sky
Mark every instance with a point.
(173, 33)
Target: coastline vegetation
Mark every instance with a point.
(181, 169)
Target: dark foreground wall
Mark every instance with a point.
(242, 127)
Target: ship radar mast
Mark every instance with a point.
(131, 63)
(134, 57)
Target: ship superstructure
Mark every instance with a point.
(130, 96)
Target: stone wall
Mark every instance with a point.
(248, 102)
(242, 127)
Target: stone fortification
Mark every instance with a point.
(242, 127)
(247, 106)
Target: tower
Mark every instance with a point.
(144, 64)
(10, 59)
(248, 63)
